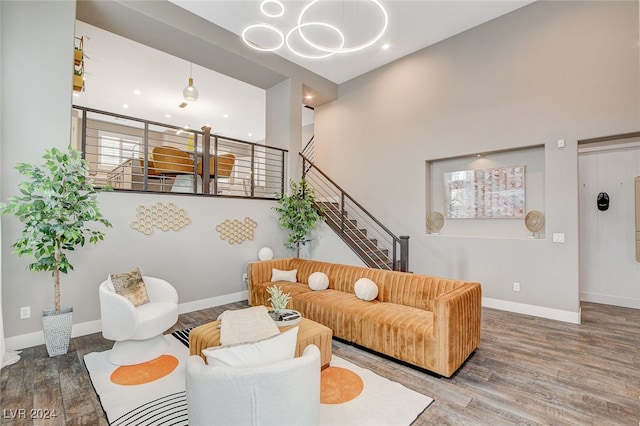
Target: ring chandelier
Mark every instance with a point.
(275, 9)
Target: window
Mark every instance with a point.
(116, 148)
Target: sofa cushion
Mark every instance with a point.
(365, 289)
(334, 309)
(318, 281)
(278, 275)
(399, 331)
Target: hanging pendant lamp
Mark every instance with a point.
(190, 92)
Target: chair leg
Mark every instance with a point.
(131, 352)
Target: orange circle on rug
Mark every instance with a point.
(339, 385)
(139, 374)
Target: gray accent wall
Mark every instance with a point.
(553, 70)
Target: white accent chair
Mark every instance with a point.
(138, 330)
(282, 393)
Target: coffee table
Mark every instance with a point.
(309, 332)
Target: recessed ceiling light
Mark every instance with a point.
(137, 92)
(125, 106)
(385, 46)
(250, 134)
(309, 97)
(168, 115)
(225, 115)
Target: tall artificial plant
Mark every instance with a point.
(298, 214)
(56, 205)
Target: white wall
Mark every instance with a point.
(549, 71)
(609, 272)
(36, 79)
(35, 100)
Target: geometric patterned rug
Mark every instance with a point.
(153, 393)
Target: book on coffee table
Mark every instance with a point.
(285, 317)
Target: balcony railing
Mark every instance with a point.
(133, 154)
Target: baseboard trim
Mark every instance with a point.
(197, 305)
(625, 302)
(36, 338)
(537, 311)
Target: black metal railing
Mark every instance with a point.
(367, 236)
(129, 153)
(307, 151)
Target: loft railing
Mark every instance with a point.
(133, 154)
(367, 236)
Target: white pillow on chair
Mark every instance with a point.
(276, 348)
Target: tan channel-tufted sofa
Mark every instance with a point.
(432, 323)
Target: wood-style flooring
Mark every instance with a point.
(527, 371)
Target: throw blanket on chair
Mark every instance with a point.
(246, 325)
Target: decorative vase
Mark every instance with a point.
(57, 330)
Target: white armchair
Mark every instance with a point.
(138, 330)
(283, 393)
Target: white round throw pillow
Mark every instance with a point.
(366, 289)
(318, 281)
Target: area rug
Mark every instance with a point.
(153, 393)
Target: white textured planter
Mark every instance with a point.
(57, 330)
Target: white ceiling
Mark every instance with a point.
(413, 25)
(116, 67)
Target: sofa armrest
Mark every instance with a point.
(457, 319)
(260, 272)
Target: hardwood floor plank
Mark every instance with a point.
(527, 371)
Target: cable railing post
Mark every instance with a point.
(282, 172)
(343, 212)
(145, 163)
(252, 174)
(404, 253)
(215, 165)
(195, 163)
(206, 146)
(83, 135)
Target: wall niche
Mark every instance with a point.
(510, 182)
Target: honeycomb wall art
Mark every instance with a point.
(235, 231)
(164, 216)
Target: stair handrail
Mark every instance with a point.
(403, 241)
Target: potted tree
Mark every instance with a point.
(56, 205)
(298, 214)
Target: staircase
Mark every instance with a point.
(369, 239)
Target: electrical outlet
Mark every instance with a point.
(516, 286)
(558, 237)
(244, 277)
(25, 312)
